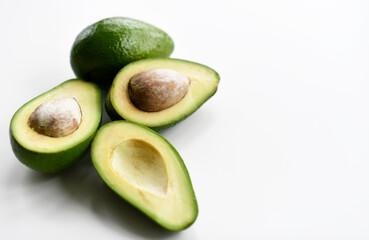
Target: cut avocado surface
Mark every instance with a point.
(53, 153)
(103, 48)
(145, 169)
(203, 84)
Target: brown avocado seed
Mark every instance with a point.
(58, 117)
(157, 89)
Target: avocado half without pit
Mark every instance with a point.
(145, 169)
(52, 131)
(158, 93)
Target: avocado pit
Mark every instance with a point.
(58, 117)
(157, 89)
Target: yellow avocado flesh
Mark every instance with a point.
(144, 169)
(204, 83)
(87, 97)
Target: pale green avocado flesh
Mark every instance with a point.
(204, 84)
(145, 169)
(54, 154)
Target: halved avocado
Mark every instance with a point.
(145, 169)
(53, 154)
(203, 85)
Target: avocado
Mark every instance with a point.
(104, 47)
(160, 84)
(143, 168)
(52, 131)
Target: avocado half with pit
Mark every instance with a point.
(158, 93)
(52, 131)
(143, 168)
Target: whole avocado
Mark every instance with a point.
(103, 48)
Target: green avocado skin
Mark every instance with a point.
(113, 115)
(106, 46)
(49, 162)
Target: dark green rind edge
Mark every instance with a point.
(52, 162)
(49, 162)
(115, 116)
(132, 202)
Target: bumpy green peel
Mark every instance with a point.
(104, 47)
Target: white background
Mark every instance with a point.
(280, 152)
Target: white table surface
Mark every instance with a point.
(280, 152)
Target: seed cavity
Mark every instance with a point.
(58, 117)
(141, 164)
(157, 89)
